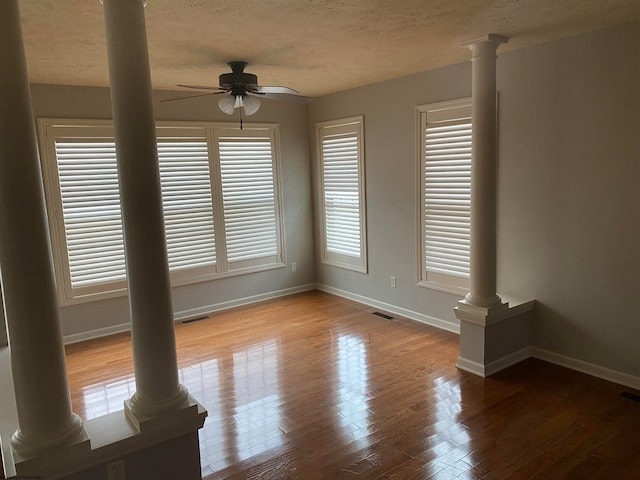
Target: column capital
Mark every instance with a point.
(487, 44)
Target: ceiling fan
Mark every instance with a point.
(241, 90)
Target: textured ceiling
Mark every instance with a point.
(315, 46)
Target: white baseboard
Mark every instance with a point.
(507, 361)
(592, 369)
(410, 314)
(495, 366)
(471, 367)
(190, 313)
(571, 363)
(218, 307)
(96, 333)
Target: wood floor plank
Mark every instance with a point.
(314, 386)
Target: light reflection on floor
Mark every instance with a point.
(107, 397)
(353, 377)
(204, 383)
(450, 442)
(257, 397)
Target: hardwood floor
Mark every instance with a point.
(313, 386)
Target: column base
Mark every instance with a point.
(34, 463)
(189, 408)
(26, 447)
(143, 408)
(495, 337)
(481, 315)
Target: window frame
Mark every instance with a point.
(247, 266)
(344, 126)
(447, 111)
(50, 129)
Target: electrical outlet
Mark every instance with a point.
(393, 281)
(115, 470)
(294, 267)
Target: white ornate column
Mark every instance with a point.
(45, 419)
(157, 388)
(483, 262)
(493, 335)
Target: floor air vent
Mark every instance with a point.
(192, 320)
(382, 315)
(630, 396)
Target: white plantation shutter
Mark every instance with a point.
(446, 193)
(88, 180)
(341, 195)
(220, 196)
(249, 198)
(341, 160)
(187, 203)
(448, 197)
(91, 207)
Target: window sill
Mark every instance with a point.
(443, 287)
(346, 266)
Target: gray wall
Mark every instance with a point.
(569, 168)
(85, 102)
(569, 195)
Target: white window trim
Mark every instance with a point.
(429, 279)
(98, 129)
(355, 125)
(104, 128)
(278, 258)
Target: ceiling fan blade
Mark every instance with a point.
(285, 97)
(202, 87)
(190, 96)
(288, 90)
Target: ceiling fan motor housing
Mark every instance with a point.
(238, 79)
(238, 83)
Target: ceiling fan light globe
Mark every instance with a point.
(251, 104)
(227, 104)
